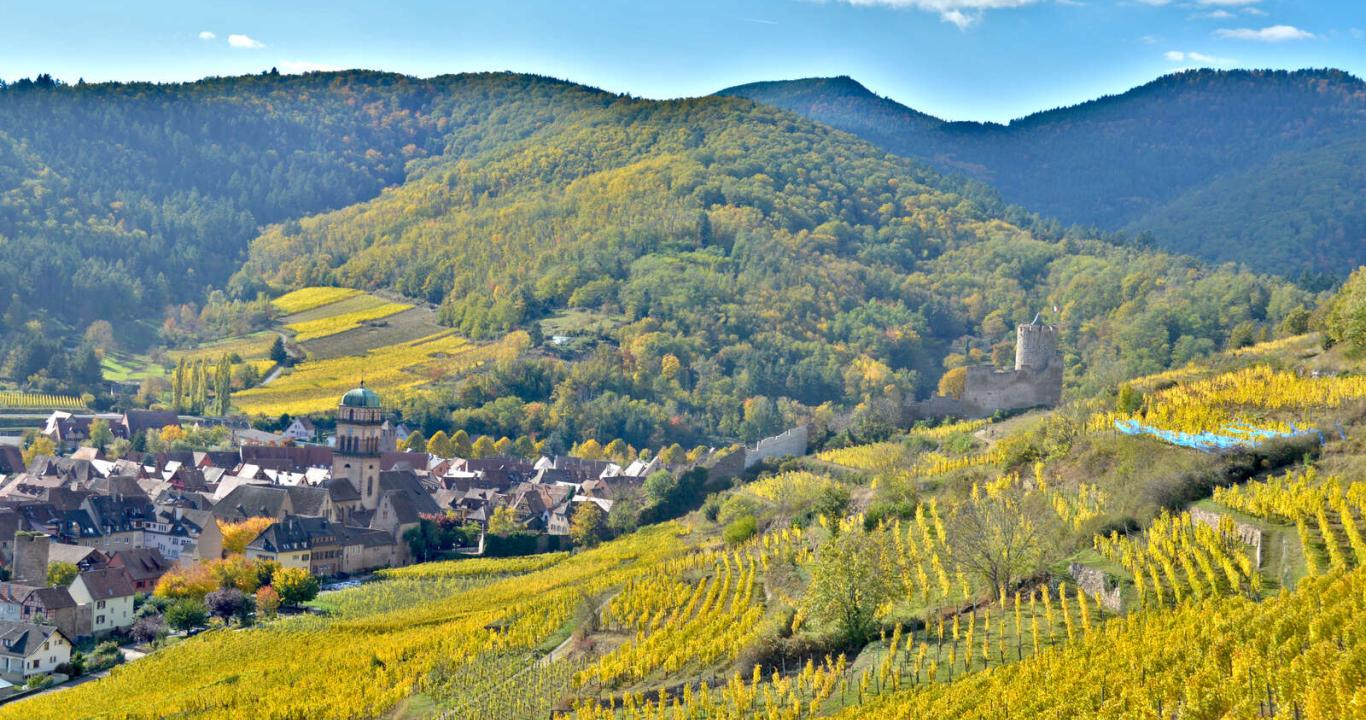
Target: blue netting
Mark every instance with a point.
(1238, 435)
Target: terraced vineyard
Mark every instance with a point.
(341, 316)
(314, 385)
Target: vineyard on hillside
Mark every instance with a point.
(315, 385)
(12, 399)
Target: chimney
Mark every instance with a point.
(30, 558)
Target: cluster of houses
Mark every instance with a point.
(339, 510)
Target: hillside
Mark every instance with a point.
(764, 260)
(1249, 166)
(951, 572)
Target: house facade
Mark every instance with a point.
(27, 649)
(109, 595)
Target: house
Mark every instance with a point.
(301, 429)
(56, 606)
(109, 593)
(310, 543)
(183, 535)
(364, 550)
(252, 436)
(12, 597)
(27, 649)
(84, 558)
(273, 501)
(138, 421)
(67, 430)
(143, 566)
(118, 519)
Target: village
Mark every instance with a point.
(92, 550)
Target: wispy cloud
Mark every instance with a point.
(1214, 15)
(299, 67)
(1155, 3)
(1229, 3)
(962, 13)
(758, 21)
(1150, 39)
(206, 35)
(1253, 11)
(1275, 33)
(244, 42)
(1195, 58)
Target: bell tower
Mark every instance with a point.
(360, 442)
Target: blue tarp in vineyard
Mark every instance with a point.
(1231, 436)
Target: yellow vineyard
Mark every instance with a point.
(39, 401)
(333, 324)
(315, 385)
(311, 297)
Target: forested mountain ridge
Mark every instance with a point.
(1224, 165)
(761, 265)
(120, 198)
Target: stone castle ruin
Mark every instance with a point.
(1035, 381)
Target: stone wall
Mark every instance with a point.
(1249, 535)
(791, 443)
(993, 389)
(1097, 584)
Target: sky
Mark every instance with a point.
(957, 59)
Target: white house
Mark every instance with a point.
(109, 593)
(301, 430)
(27, 649)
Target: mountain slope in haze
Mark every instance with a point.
(761, 264)
(1238, 165)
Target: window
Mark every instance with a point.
(99, 605)
(99, 620)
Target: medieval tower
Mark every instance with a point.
(1036, 345)
(361, 440)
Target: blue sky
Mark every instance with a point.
(958, 59)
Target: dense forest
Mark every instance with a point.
(1258, 167)
(761, 265)
(117, 199)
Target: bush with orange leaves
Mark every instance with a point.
(236, 536)
(198, 580)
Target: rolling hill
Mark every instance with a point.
(1257, 167)
(755, 265)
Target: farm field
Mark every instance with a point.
(314, 385)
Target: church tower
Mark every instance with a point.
(360, 442)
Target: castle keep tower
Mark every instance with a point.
(361, 439)
(1036, 345)
(30, 558)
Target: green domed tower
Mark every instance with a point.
(361, 440)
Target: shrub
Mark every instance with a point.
(740, 530)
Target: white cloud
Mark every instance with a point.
(961, 13)
(206, 35)
(244, 42)
(1155, 3)
(1215, 15)
(1253, 11)
(299, 67)
(1229, 3)
(1150, 39)
(1275, 33)
(1196, 58)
